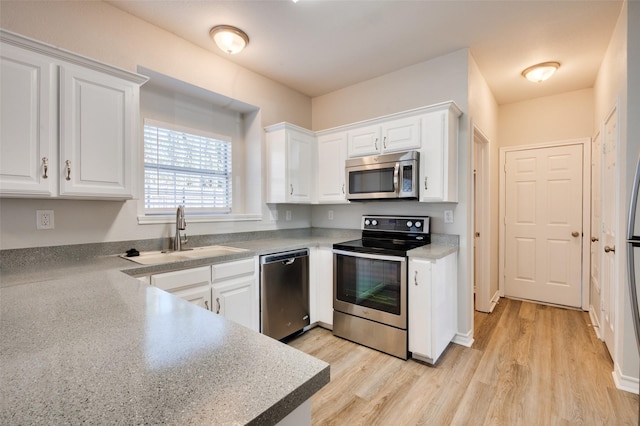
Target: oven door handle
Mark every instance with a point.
(369, 255)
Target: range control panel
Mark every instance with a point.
(413, 224)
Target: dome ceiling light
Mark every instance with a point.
(540, 72)
(229, 39)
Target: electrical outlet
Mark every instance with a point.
(330, 214)
(44, 219)
(288, 215)
(448, 216)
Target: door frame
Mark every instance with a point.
(586, 211)
(485, 301)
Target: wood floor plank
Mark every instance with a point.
(530, 365)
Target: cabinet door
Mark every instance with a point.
(439, 157)
(28, 117)
(332, 153)
(234, 300)
(299, 167)
(193, 285)
(324, 286)
(420, 308)
(432, 157)
(401, 134)
(97, 134)
(364, 141)
(200, 296)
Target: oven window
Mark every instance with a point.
(372, 283)
(368, 181)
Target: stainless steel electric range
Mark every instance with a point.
(370, 282)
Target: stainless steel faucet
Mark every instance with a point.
(181, 225)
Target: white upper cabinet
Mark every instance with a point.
(69, 124)
(332, 153)
(28, 123)
(97, 135)
(394, 135)
(439, 155)
(289, 164)
(431, 130)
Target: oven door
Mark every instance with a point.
(371, 286)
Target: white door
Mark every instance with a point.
(543, 218)
(596, 219)
(608, 235)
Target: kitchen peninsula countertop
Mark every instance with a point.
(84, 342)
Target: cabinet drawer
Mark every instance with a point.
(181, 279)
(226, 270)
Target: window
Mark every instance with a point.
(188, 167)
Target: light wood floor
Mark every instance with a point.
(530, 365)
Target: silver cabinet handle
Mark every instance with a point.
(375, 144)
(575, 234)
(594, 239)
(608, 249)
(68, 163)
(343, 188)
(426, 182)
(415, 278)
(291, 185)
(45, 167)
(206, 305)
(384, 142)
(218, 304)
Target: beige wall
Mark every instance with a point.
(483, 110)
(419, 85)
(547, 119)
(100, 31)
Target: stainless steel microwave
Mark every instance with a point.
(380, 177)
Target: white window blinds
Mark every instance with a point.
(186, 167)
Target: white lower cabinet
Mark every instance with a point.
(234, 291)
(432, 306)
(321, 286)
(193, 285)
(228, 289)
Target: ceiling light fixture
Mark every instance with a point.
(229, 39)
(540, 72)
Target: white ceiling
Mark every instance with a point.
(319, 46)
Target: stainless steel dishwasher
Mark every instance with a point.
(284, 293)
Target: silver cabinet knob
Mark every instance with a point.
(608, 249)
(575, 234)
(594, 239)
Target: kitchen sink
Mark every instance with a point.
(154, 257)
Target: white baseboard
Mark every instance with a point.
(464, 339)
(595, 322)
(625, 383)
(494, 301)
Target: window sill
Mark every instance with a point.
(160, 219)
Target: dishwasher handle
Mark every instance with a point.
(286, 258)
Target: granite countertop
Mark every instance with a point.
(81, 341)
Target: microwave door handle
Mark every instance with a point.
(396, 173)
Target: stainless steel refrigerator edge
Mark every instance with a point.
(633, 256)
(284, 293)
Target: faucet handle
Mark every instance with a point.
(184, 239)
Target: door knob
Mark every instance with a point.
(575, 234)
(608, 249)
(594, 239)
